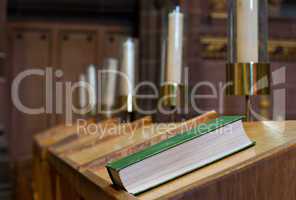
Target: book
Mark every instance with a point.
(179, 155)
(136, 140)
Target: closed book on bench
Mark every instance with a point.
(181, 154)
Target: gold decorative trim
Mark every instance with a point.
(215, 47)
(248, 79)
(218, 15)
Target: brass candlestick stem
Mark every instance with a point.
(130, 117)
(248, 108)
(127, 103)
(173, 116)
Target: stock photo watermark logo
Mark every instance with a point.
(59, 95)
(278, 98)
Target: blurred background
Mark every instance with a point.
(72, 34)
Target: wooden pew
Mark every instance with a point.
(43, 184)
(265, 171)
(62, 143)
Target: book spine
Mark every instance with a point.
(183, 127)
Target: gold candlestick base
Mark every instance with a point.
(108, 112)
(128, 107)
(248, 109)
(127, 103)
(173, 95)
(248, 79)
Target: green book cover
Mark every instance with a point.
(173, 142)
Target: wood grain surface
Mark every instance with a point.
(266, 171)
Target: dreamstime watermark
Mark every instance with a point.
(59, 96)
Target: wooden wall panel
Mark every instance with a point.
(3, 83)
(3, 103)
(77, 50)
(112, 39)
(30, 50)
(3, 9)
(199, 25)
(70, 47)
(150, 48)
(2, 38)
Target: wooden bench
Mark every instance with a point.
(266, 171)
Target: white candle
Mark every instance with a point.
(127, 84)
(109, 94)
(92, 80)
(175, 47)
(247, 31)
(82, 92)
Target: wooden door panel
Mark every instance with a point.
(31, 50)
(112, 44)
(2, 37)
(77, 50)
(3, 103)
(70, 47)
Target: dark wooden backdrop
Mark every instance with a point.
(3, 58)
(205, 51)
(70, 47)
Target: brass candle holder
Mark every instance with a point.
(248, 79)
(107, 111)
(248, 69)
(173, 98)
(173, 95)
(127, 105)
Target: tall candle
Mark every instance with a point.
(127, 84)
(247, 31)
(175, 47)
(109, 94)
(82, 92)
(92, 80)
